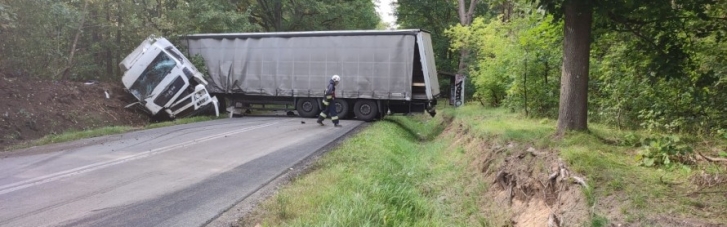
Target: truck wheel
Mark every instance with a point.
(341, 108)
(366, 110)
(307, 107)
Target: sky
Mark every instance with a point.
(383, 7)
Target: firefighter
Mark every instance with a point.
(329, 109)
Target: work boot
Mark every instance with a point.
(320, 122)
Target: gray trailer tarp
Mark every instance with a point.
(371, 65)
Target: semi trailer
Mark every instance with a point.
(382, 71)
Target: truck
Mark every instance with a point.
(164, 82)
(382, 71)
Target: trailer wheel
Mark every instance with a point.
(307, 107)
(341, 107)
(366, 110)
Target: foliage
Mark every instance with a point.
(43, 32)
(387, 175)
(7, 18)
(517, 62)
(299, 15)
(610, 167)
(663, 151)
(660, 68)
(204, 16)
(436, 16)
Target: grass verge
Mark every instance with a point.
(110, 130)
(401, 172)
(620, 190)
(387, 175)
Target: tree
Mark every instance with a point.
(86, 39)
(311, 15)
(513, 61)
(436, 16)
(7, 18)
(659, 25)
(466, 14)
(573, 108)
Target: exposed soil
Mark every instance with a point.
(533, 187)
(528, 187)
(32, 108)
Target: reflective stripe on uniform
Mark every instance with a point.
(326, 102)
(329, 96)
(324, 115)
(334, 118)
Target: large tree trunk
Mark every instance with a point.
(573, 111)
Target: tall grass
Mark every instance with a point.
(398, 172)
(617, 183)
(388, 175)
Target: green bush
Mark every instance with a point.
(663, 151)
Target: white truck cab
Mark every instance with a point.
(164, 81)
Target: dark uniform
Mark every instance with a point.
(329, 109)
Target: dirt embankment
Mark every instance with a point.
(527, 186)
(32, 108)
(530, 186)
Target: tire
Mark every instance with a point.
(307, 107)
(341, 108)
(366, 110)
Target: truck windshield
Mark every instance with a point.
(152, 76)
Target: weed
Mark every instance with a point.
(663, 151)
(392, 174)
(599, 221)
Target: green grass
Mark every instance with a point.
(401, 172)
(611, 169)
(103, 131)
(391, 174)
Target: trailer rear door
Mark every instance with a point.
(430, 70)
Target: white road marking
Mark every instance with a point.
(88, 168)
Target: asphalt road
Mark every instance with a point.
(183, 175)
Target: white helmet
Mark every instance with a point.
(336, 78)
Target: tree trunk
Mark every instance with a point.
(573, 110)
(465, 19)
(68, 68)
(108, 47)
(120, 21)
(525, 87)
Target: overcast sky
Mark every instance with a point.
(385, 11)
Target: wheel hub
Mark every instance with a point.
(308, 106)
(338, 107)
(365, 109)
